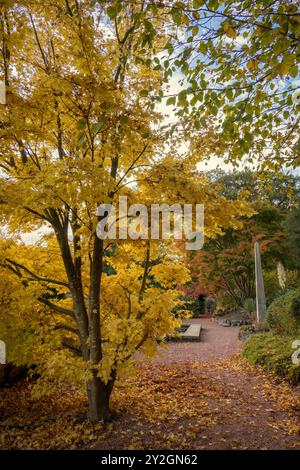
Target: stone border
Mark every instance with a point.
(227, 322)
(191, 334)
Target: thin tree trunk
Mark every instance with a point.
(98, 398)
(98, 405)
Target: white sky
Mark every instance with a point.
(168, 112)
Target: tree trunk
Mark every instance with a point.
(98, 398)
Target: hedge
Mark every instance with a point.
(273, 352)
(283, 315)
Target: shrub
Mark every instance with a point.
(224, 304)
(210, 305)
(191, 305)
(283, 315)
(272, 287)
(246, 331)
(250, 307)
(273, 352)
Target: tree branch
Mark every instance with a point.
(55, 307)
(36, 276)
(62, 326)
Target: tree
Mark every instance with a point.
(80, 129)
(276, 189)
(226, 264)
(239, 63)
(292, 227)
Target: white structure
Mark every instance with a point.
(2, 92)
(2, 352)
(259, 284)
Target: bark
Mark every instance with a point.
(98, 398)
(74, 281)
(99, 392)
(94, 302)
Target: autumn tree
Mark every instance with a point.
(78, 130)
(226, 264)
(238, 63)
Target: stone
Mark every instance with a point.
(225, 322)
(191, 334)
(246, 331)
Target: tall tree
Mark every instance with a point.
(78, 130)
(239, 63)
(226, 264)
(292, 225)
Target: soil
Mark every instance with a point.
(194, 395)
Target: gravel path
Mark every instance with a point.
(229, 404)
(216, 343)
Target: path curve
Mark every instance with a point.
(216, 343)
(244, 407)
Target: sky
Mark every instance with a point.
(174, 87)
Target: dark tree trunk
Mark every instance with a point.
(98, 398)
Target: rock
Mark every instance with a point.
(246, 331)
(224, 322)
(236, 322)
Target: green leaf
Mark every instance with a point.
(229, 94)
(171, 100)
(185, 20)
(169, 47)
(112, 13)
(197, 3)
(177, 17)
(144, 92)
(81, 124)
(202, 47)
(294, 71)
(230, 32)
(98, 125)
(182, 96)
(124, 120)
(80, 139)
(195, 31)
